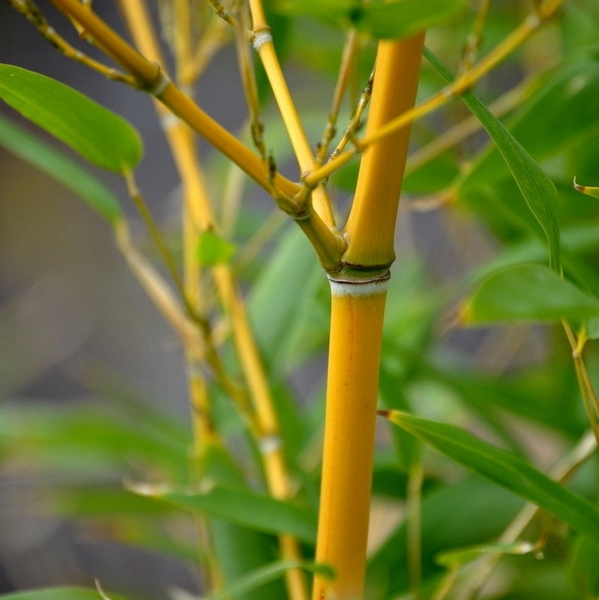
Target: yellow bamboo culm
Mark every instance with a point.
(358, 305)
(349, 439)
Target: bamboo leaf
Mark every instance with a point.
(213, 249)
(265, 575)
(254, 511)
(396, 20)
(36, 152)
(99, 135)
(504, 468)
(404, 18)
(526, 292)
(537, 189)
(453, 559)
(59, 593)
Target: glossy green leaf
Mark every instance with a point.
(528, 292)
(59, 593)
(254, 581)
(504, 468)
(565, 98)
(537, 189)
(213, 249)
(397, 19)
(99, 135)
(255, 511)
(54, 163)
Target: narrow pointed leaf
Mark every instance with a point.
(453, 559)
(36, 152)
(528, 292)
(99, 135)
(258, 512)
(537, 189)
(262, 576)
(504, 468)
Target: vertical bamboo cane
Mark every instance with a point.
(358, 304)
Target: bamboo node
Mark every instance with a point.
(364, 284)
(261, 38)
(157, 87)
(269, 444)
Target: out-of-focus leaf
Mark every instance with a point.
(537, 189)
(88, 438)
(397, 19)
(583, 572)
(238, 550)
(585, 189)
(266, 574)
(455, 558)
(213, 249)
(527, 292)
(282, 302)
(36, 152)
(62, 593)
(96, 133)
(504, 468)
(463, 513)
(262, 513)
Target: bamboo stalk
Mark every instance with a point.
(358, 305)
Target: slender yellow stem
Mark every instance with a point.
(32, 13)
(264, 45)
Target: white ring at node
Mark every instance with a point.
(262, 37)
(160, 86)
(344, 288)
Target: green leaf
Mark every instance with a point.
(258, 512)
(62, 593)
(403, 18)
(99, 135)
(213, 250)
(283, 303)
(397, 19)
(582, 570)
(264, 575)
(527, 292)
(453, 559)
(504, 468)
(61, 168)
(537, 189)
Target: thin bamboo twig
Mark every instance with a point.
(264, 46)
(348, 63)
(35, 16)
(461, 84)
